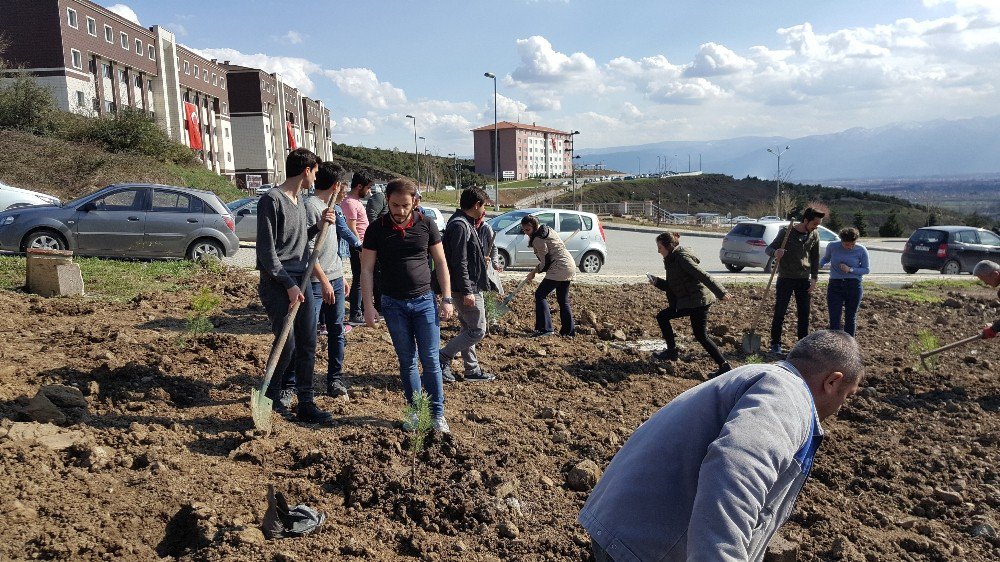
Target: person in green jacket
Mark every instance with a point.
(690, 292)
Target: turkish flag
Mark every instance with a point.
(193, 126)
(291, 135)
(553, 144)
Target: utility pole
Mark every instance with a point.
(416, 167)
(777, 194)
(458, 189)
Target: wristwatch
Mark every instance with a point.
(447, 300)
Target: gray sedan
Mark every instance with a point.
(127, 220)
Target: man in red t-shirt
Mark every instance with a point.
(353, 207)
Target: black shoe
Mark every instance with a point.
(285, 398)
(309, 412)
(336, 389)
(356, 321)
(777, 351)
(446, 374)
(665, 355)
(479, 376)
(724, 368)
(542, 333)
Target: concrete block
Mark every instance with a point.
(52, 273)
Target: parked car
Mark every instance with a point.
(435, 214)
(14, 197)
(244, 212)
(264, 189)
(745, 243)
(588, 247)
(127, 220)
(949, 249)
(769, 218)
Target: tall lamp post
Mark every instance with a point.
(777, 151)
(572, 162)
(496, 143)
(458, 189)
(418, 159)
(416, 167)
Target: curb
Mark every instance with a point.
(702, 234)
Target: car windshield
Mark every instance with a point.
(239, 203)
(748, 230)
(507, 219)
(927, 236)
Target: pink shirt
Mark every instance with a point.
(354, 210)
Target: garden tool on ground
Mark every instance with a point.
(751, 339)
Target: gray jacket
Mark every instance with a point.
(713, 474)
(329, 254)
(283, 235)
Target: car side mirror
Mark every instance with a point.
(87, 207)
(243, 212)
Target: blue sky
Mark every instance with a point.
(623, 73)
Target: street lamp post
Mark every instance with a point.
(496, 144)
(418, 158)
(572, 162)
(689, 205)
(777, 151)
(416, 167)
(458, 189)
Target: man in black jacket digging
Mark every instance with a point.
(468, 260)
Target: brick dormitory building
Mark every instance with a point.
(96, 62)
(528, 151)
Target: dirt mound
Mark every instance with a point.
(166, 462)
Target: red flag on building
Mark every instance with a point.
(553, 144)
(193, 126)
(291, 135)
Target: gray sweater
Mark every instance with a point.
(329, 254)
(283, 234)
(713, 474)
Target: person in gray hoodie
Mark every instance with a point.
(713, 474)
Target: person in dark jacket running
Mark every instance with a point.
(690, 292)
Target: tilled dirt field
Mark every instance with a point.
(155, 456)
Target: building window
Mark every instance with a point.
(229, 157)
(222, 83)
(226, 129)
(109, 34)
(77, 58)
(204, 75)
(196, 72)
(107, 71)
(149, 86)
(187, 68)
(225, 108)
(124, 38)
(138, 82)
(109, 106)
(152, 53)
(138, 47)
(71, 17)
(80, 101)
(91, 26)
(215, 79)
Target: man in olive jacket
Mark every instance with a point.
(690, 292)
(798, 270)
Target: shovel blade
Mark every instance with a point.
(751, 343)
(260, 410)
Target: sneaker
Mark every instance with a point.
(542, 333)
(446, 374)
(336, 389)
(724, 368)
(322, 330)
(309, 412)
(285, 398)
(356, 321)
(665, 355)
(776, 350)
(479, 376)
(440, 425)
(411, 423)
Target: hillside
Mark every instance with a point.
(755, 197)
(435, 171)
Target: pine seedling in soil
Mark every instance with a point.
(421, 410)
(202, 306)
(491, 303)
(755, 358)
(926, 341)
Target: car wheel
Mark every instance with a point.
(769, 266)
(44, 240)
(734, 268)
(910, 270)
(591, 262)
(503, 258)
(205, 248)
(951, 267)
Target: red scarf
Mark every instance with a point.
(400, 228)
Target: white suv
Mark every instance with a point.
(588, 246)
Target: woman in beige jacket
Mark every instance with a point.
(557, 264)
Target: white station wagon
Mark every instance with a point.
(588, 245)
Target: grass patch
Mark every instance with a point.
(112, 279)
(920, 292)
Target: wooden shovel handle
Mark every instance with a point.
(774, 271)
(952, 345)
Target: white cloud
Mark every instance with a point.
(362, 84)
(295, 71)
(355, 126)
(125, 12)
(177, 29)
(540, 63)
(715, 60)
(292, 37)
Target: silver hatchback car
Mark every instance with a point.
(127, 220)
(745, 243)
(588, 246)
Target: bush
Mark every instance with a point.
(134, 131)
(891, 227)
(860, 224)
(25, 106)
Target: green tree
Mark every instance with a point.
(24, 105)
(932, 219)
(891, 227)
(859, 223)
(834, 223)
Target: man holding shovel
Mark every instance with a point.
(798, 270)
(468, 264)
(283, 235)
(989, 272)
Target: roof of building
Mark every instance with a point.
(522, 126)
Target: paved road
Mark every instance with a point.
(632, 254)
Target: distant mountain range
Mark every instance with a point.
(938, 148)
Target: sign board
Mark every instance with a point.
(254, 181)
(508, 174)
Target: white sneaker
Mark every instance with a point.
(411, 423)
(441, 425)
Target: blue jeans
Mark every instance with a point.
(415, 330)
(843, 296)
(332, 315)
